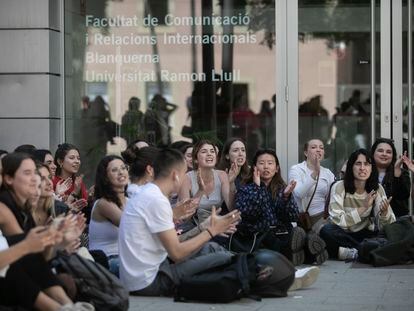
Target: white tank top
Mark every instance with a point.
(103, 235)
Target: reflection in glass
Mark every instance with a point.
(167, 70)
(335, 77)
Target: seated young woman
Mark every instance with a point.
(268, 207)
(26, 279)
(205, 182)
(358, 208)
(391, 175)
(68, 160)
(45, 207)
(311, 192)
(233, 161)
(110, 186)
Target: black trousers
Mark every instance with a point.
(24, 280)
(335, 237)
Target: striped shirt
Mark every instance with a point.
(343, 209)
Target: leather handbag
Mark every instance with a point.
(304, 221)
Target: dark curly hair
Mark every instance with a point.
(349, 178)
(61, 153)
(103, 187)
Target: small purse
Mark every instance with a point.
(304, 220)
(247, 242)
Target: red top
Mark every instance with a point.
(84, 192)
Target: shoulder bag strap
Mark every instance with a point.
(313, 194)
(328, 201)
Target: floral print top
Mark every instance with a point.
(260, 212)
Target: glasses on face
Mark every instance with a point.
(117, 170)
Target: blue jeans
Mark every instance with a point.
(113, 262)
(335, 237)
(170, 274)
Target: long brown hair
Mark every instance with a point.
(224, 163)
(49, 204)
(277, 183)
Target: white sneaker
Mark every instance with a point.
(78, 306)
(305, 277)
(347, 254)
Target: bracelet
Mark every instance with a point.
(209, 232)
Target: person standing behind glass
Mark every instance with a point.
(394, 179)
(132, 126)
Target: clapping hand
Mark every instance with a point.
(397, 166)
(225, 223)
(384, 206)
(256, 176)
(233, 172)
(78, 183)
(369, 200)
(185, 209)
(39, 238)
(408, 162)
(200, 182)
(62, 186)
(289, 188)
(78, 205)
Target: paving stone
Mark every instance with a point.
(338, 288)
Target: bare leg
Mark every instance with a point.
(45, 303)
(57, 293)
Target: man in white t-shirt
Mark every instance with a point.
(147, 235)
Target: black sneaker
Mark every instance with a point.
(315, 249)
(297, 242)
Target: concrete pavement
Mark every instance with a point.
(339, 287)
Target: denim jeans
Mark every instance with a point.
(113, 262)
(170, 274)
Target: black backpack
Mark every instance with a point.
(221, 284)
(238, 279)
(94, 283)
(281, 274)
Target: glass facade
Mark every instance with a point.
(167, 70)
(335, 76)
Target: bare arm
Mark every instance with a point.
(179, 250)
(228, 196)
(107, 210)
(8, 223)
(185, 189)
(36, 241)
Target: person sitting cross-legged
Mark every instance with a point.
(358, 208)
(152, 259)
